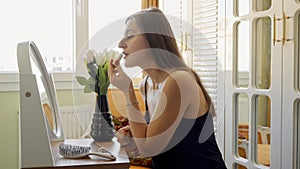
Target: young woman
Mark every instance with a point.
(180, 131)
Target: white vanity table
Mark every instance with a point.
(90, 162)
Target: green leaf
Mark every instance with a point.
(87, 89)
(92, 81)
(92, 87)
(101, 75)
(92, 69)
(105, 67)
(82, 80)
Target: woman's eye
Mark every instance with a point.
(129, 37)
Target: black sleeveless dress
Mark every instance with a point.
(193, 146)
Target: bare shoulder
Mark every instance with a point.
(182, 76)
(179, 80)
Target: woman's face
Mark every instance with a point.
(133, 44)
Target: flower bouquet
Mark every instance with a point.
(97, 66)
(102, 128)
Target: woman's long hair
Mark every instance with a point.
(158, 33)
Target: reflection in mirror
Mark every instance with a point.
(242, 115)
(262, 5)
(263, 53)
(46, 91)
(263, 129)
(243, 7)
(242, 58)
(46, 103)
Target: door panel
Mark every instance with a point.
(291, 95)
(253, 88)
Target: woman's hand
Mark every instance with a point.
(123, 135)
(118, 77)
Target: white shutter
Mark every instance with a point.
(197, 35)
(206, 62)
(205, 44)
(176, 12)
(204, 39)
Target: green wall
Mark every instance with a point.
(9, 156)
(9, 130)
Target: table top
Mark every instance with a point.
(90, 162)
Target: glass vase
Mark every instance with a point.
(102, 128)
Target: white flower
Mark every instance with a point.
(101, 60)
(105, 56)
(90, 56)
(98, 59)
(97, 66)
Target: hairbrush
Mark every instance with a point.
(76, 151)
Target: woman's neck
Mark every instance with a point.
(157, 75)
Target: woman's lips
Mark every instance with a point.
(125, 54)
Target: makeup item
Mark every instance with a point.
(118, 59)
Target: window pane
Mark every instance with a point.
(103, 14)
(242, 116)
(48, 23)
(238, 166)
(262, 5)
(298, 55)
(297, 136)
(107, 25)
(243, 7)
(263, 129)
(263, 53)
(242, 59)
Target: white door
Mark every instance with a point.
(291, 86)
(253, 84)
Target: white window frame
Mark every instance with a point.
(9, 81)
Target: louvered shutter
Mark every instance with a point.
(205, 38)
(205, 44)
(176, 12)
(201, 52)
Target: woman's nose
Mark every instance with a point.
(122, 44)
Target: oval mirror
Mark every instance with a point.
(34, 64)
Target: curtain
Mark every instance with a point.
(149, 3)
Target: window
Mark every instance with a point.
(101, 16)
(242, 57)
(107, 24)
(59, 28)
(48, 23)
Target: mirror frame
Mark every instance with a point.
(35, 131)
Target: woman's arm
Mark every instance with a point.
(180, 96)
(179, 91)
